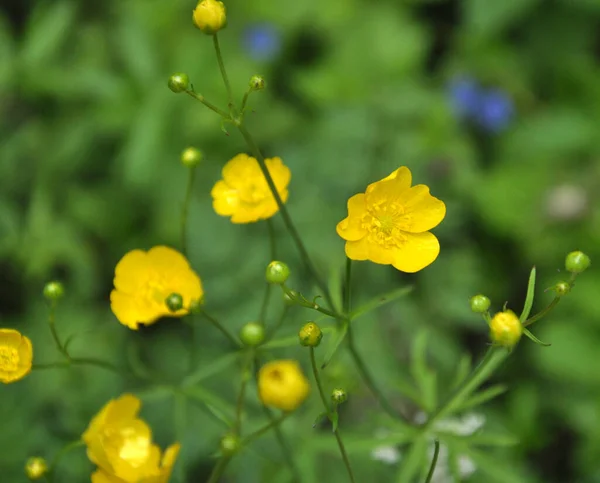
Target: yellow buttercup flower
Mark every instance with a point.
(282, 385)
(144, 280)
(389, 224)
(16, 354)
(506, 329)
(244, 194)
(121, 445)
(210, 16)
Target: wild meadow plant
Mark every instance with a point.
(389, 223)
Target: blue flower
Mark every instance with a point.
(262, 41)
(465, 96)
(495, 111)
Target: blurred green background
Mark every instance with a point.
(494, 104)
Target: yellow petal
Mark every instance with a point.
(166, 260)
(402, 177)
(351, 228)
(239, 169)
(419, 250)
(280, 173)
(422, 212)
(130, 272)
(367, 249)
(101, 476)
(10, 337)
(25, 355)
(131, 312)
(269, 206)
(226, 200)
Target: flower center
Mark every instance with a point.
(9, 359)
(381, 221)
(134, 449)
(155, 289)
(253, 192)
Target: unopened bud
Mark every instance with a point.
(36, 468)
(480, 304)
(577, 262)
(191, 157)
(210, 16)
(562, 288)
(277, 272)
(230, 443)
(174, 302)
(252, 334)
(310, 335)
(257, 83)
(339, 396)
(54, 291)
(506, 329)
(178, 82)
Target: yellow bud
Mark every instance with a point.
(506, 329)
(36, 468)
(282, 385)
(310, 335)
(209, 16)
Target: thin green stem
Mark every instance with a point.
(223, 71)
(179, 416)
(89, 361)
(284, 213)
(63, 451)
(272, 240)
(311, 305)
(327, 407)
(185, 208)
(266, 428)
(219, 469)
(366, 376)
(348, 292)
(223, 330)
(436, 453)
(212, 107)
(244, 101)
(542, 313)
(242, 394)
(52, 325)
(265, 304)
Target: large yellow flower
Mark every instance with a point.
(389, 223)
(143, 281)
(16, 354)
(244, 194)
(121, 445)
(282, 385)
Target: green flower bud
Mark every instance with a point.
(339, 396)
(230, 444)
(480, 304)
(191, 157)
(36, 468)
(277, 272)
(289, 297)
(196, 306)
(54, 291)
(179, 82)
(577, 262)
(252, 334)
(174, 302)
(257, 83)
(562, 288)
(310, 335)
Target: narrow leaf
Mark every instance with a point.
(534, 338)
(335, 419)
(210, 369)
(529, 298)
(483, 396)
(380, 301)
(337, 341)
(319, 418)
(462, 370)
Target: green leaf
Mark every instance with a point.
(483, 396)
(425, 378)
(380, 301)
(215, 405)
(485, 17)
(319, 418)
(529, 298)
(207, 370)
(335, 419)
(463, 369)
(341, 335)
(534, 338)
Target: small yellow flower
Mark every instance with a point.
(389, 224)
(121, 445)
(210, 16)
(144, 280)
(282, 385)
(36, 468)
(16, 354)
(244, 194)
(506, 329)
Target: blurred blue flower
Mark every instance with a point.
(495, 111)
(262, 41)
(465, 96)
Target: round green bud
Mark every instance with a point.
(179, 82)
(289, 297)
(230, 444)
(252, 334)
(191, 157)
(480, 304)
(174, 302)
(196, 306)
(562, 288)
(277, 272)
(310, 335)
(54, 290)
(577, 262)
(36, 468)
(257, 83)
(339, 396)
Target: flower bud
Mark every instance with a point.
(196, 306)
(562, 288)
(36, 468)
(178, 82)
(257, 83)
(480, 304)
(339, 396)
(54, 291)
(277, 272)
(174, 302)
(289, 297)
(230, 443)
(310, 335)
(210, 16)
(577, 262)
(252, 334)
(506, 329)
(191, 157)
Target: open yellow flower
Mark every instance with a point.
(389, 224)
(121, 445)
(282, 385)
(144, 280)
(244, 194)
(16, 354)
